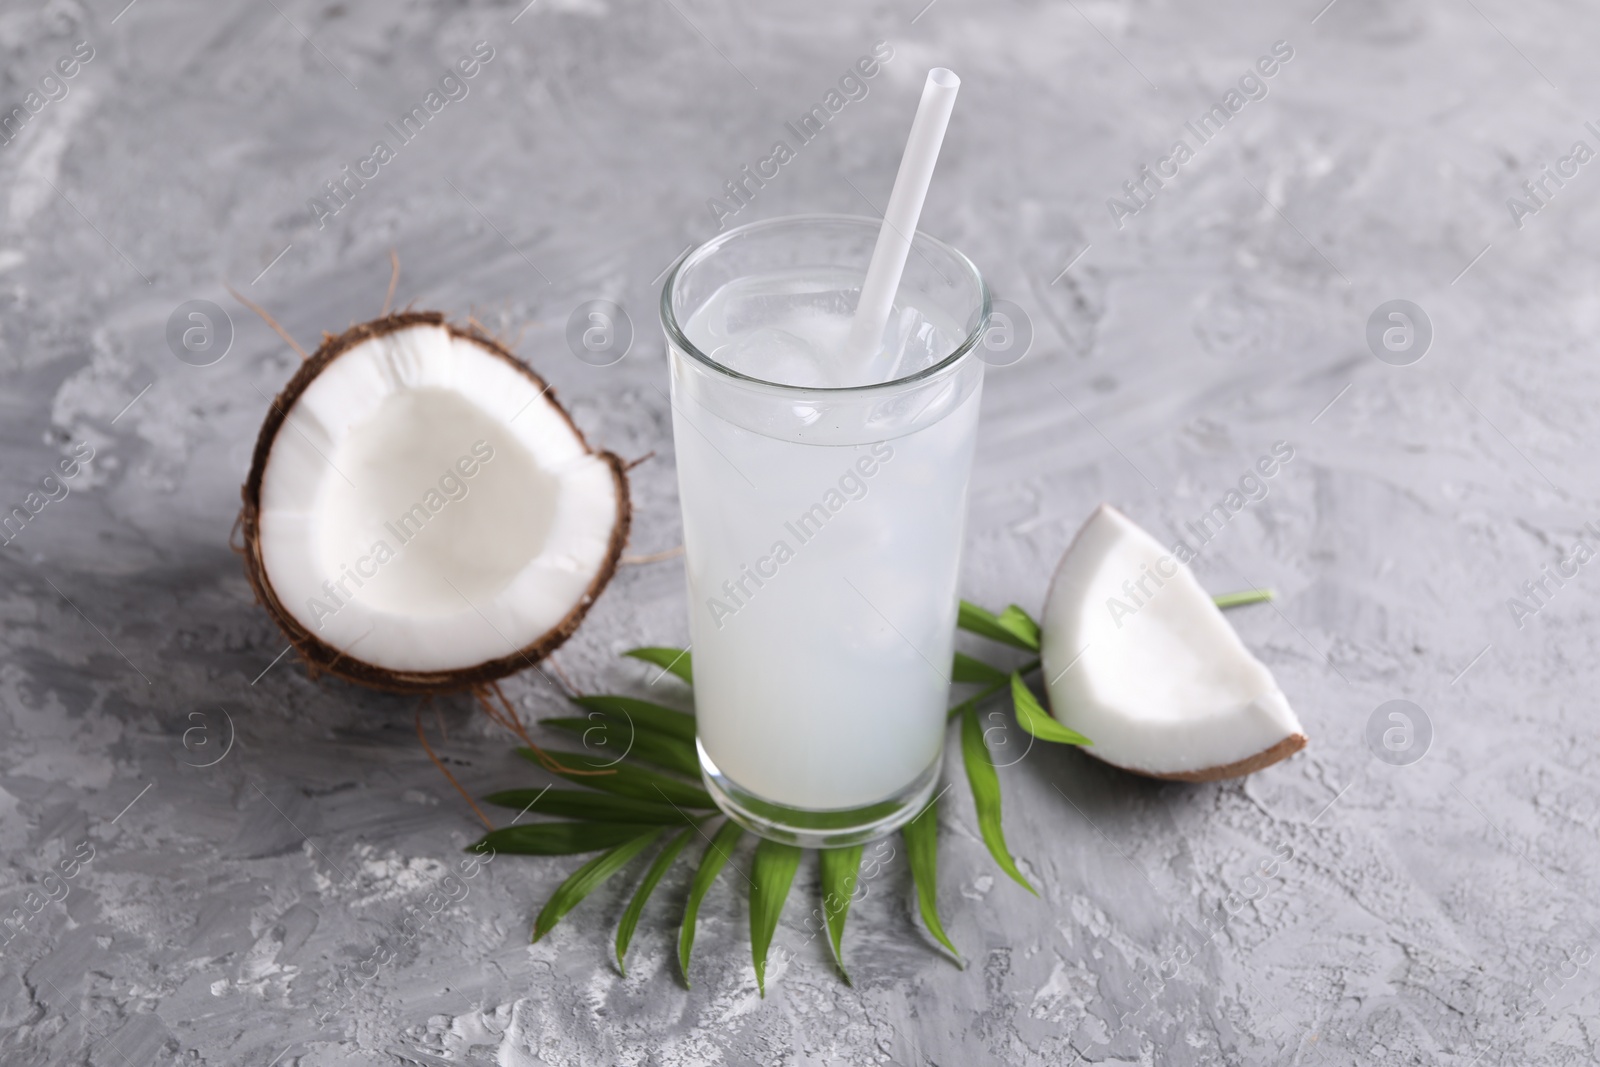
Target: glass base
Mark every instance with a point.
(818, 827)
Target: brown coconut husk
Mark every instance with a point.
(1250, 765)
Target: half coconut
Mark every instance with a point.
(1137, 656)
(421, 515)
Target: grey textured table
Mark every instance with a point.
(1436, 911)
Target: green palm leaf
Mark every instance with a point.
(841, 869)
(1012, 626)
(771, 877)
(921, 836)
(630, 918)
(969, 670)
(618, 740)
(985, 784)
(560, 838)
(587, 878)
(626, 780)
(675, 660)
(711, 863)
(657, 717)
(1032, 717)
(591, 807)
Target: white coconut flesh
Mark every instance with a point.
(427, 507)
(1137, 657)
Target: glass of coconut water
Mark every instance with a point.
(824, 507)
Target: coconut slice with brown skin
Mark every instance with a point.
(1138, 657)
(421, 515)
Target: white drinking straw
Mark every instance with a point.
(905, 207)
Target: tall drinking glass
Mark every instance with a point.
(824, 508)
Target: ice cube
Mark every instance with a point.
(750, 310)
(910, 343)
(776, 355)
(795, 331)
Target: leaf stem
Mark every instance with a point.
(988, 691)
(1240, 599)
(973, 701)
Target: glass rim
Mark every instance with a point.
(675, 334)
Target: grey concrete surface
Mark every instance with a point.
(1435, 912)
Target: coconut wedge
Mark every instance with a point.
(1137, 656)
(421, 515)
